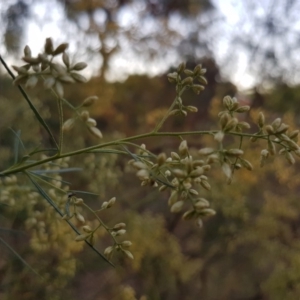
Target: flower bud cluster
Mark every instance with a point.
(187, 82)
(277, 133)
(54, 75)
(118, 230)
(227, 119)
(180, 173)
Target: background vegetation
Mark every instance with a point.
(249, 250)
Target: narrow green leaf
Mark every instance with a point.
(52, 203)
(65, 170)
(19, 257)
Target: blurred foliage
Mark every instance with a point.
(249, 250)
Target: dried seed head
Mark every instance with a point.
(188, 72)
(181, 67)
(78, 201)
(143, 174)
(224, 119)
(270, 129)
(126, 244)
(84, 115)
(234, 152)
(119, 226)
(108, 252)
(104, 205)
(21, 70)
(78, 77)
(290, 158)
(60, 49)
(227, 170)
(244, 125)
(206, 151)
(192, 108)
(282, 128)
(213, 158)
(96, 132)
(120, 232)
(219, 136)
(161, 159)
(193, 192)
(293, 145)
(197, 69)
(231, 124)
(264, 153)
(294, 135)
(89, 101)
(227, 102)
(59, 89)
(128, 254)
(87, 229)
(173, 198)
(162, 188)
(49, 46)
(172, 77)
(139, 165)
(207, 212)
(168, 173)
(175, 156)
(196, 173)
(188, 214)
(66, 79)
(32, 60)
(179, 173)
(80, 217)
(201, 203)
(58, 70)
(197, 88)
(205, 185)
(66, 59)
(246, 164)
(276, 124)
(27, 51)
(111, 202)
(271, 147)
(68, 124)
(202, 79)
(198, 163)
(91, 122)
(43, 58)
(261, 120)
(206, 168)
(176, 207)
(82, 237)
(20, 79)
(79, 66)
(242, 109)
(187, 81)
(183, 148)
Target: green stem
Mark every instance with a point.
(100, 221)
(118, 142)
(32, 107)
(162, 121)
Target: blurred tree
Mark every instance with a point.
(149, 28)
(266, 36)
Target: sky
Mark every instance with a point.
(46, 25)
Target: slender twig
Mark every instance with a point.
(118, 142)
(38, 116)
